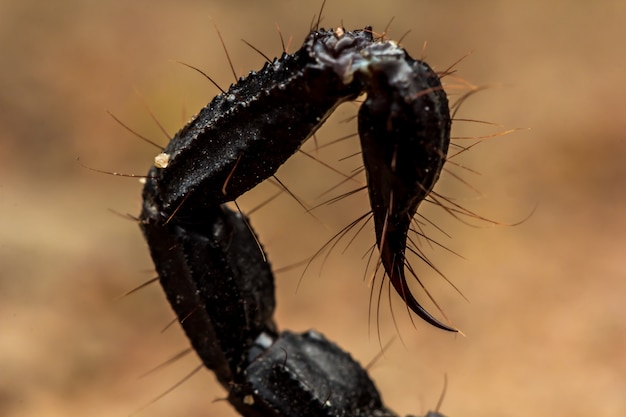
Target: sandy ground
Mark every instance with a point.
(545, 324)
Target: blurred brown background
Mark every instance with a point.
(546, 322)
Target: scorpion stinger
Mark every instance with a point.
(404, 126)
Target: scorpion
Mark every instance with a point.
(209, 260)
